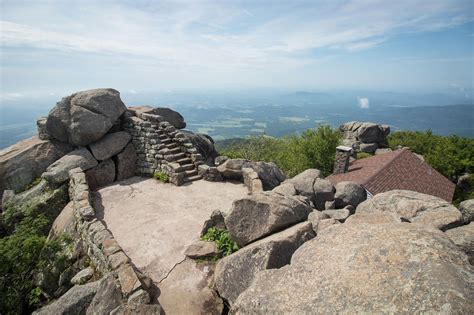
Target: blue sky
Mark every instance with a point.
(58, 47)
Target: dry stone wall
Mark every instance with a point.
(102, 248)
(160, 147)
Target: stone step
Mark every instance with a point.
(184, 161)
(175, 150)
(174, 157)
(192, 178)
(171, 145)
(190, 173)
(187, 167)
(166, 141)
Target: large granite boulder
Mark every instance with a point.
(167, 114)
(58, 172)
(349, 193)
(268, 172)
(107, 298)
(261, 214)
(85, 117)
(310, 184)
(204, 144)
(463, 237)
(26, 160)
(467, 209)
(414, 207)
(365, 132)
(360, 267)
(234, 273)
(101, 175)
(125, 162)
(110, 145)
(74, 301)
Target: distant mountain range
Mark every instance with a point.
(225, 116)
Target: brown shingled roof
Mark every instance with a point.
(399, 169)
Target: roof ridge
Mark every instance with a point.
(395, 156)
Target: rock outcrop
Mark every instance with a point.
(125, 163)
(26, 160)
(58, 172)
(169, 115)
(101, 175)
(349, 193)
(364, 136)
(261, 214)
(463, 237)
(268, 172)
(110, 145)
(85, 117)
(234, 273)
(361, 267)
(467, 209)
(414, 207)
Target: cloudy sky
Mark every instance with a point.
(136, 45)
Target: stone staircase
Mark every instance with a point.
(162, 148)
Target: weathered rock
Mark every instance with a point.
(141, 309)
(83, 276)
(251, 180)
(329, 205)
(285, 189)
(323, 192)
(365, 132)
(234, 273)
(139, 297)
(340, 214)
(270, 175)
(201, 249)
(26, 160)
(74, 301)
(414, 207)
(204, 144)
(42, 132)
(167, 114)
(368, 147)
(107, 298)
(220, 159)
(85, 117)
(315, 218)
(125, 163)
(110, 145)
(325, 223)
(349, 193)
(65, 223)
(261, 214)
(58, 172)
(128, 279)
(344, 270)
(463, 237)
(216, 220)
(304, 182)
(101, 175)
(467, 210)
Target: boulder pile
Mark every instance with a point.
(307, 245)
(365, 136)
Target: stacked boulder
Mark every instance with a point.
(365, 136)
(271, 225)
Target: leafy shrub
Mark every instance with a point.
(225, 244)
(162, 177)
(363, 155)
(314, 148)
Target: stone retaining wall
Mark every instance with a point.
(161, 148)
(102, 248)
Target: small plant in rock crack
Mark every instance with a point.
(162, 177)
(225, 244)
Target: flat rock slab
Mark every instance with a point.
(154, 223)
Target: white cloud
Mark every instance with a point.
(363, 102)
